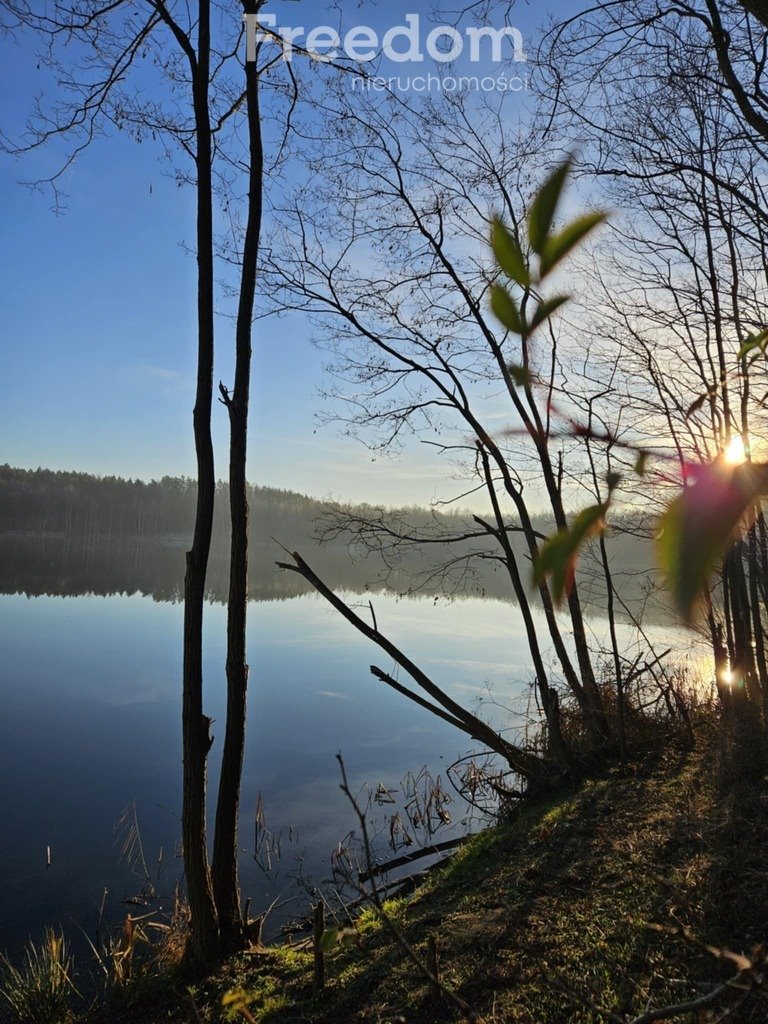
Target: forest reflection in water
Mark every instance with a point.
(56, 565)
(90, 696)
(90, 701)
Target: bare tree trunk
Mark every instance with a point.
(755, 608)
(580, 643)
(225, 847)
(196, 739)
(744, 661)
(548, 697)
(621, 724)
(763, 552)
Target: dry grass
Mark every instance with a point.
(560, 899)
(39, 990)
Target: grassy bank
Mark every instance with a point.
(537, 918)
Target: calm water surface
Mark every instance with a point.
(90, 697)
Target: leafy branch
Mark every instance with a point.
(718, 499)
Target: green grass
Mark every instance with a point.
(39, 990)
(538, 916)
(560, 899)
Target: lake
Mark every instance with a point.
(90, 697)
(90, 689)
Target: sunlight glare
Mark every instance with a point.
(735, 453)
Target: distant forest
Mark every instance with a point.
(48, 502)
(68, 532)
(75, 533)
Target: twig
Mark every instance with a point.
(434, 983)
(407, 858)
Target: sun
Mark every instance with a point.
(735, 453)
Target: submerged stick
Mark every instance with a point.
(319, 929)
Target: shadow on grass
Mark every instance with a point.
(736, 915)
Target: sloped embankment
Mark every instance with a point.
(536, 918)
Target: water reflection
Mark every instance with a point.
(90, 703)
(90, 693)
(71, 566)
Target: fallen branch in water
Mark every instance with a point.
(449, 710)
(434, 982)
(408, 858)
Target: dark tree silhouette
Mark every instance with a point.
(196, 97)
(225, 845)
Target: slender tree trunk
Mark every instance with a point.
(500, 533)
(757, 619)
(621, 724)
(569, 671)
(225, 847)
(580, 643)
(549, 700)
(196, 739)
(742, 622)
(763, 550)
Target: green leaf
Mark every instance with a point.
(543, 208)
(696, 405)
(556, 247)
(700, 523)
(505, 308)
(509, 255)
(613, 480)
(546, 308)
(329, 939)
(560, 553)
(520, 375)
(758, 340)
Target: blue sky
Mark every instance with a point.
(98, 326)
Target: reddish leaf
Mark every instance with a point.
(698, 526)
(560, 553)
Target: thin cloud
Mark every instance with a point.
(161, 373)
